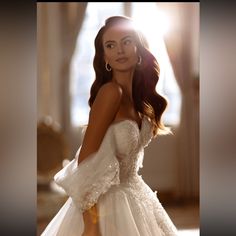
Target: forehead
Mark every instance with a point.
(115, 33)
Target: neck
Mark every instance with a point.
(124, 79)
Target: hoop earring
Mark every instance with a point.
(139, 60)
(108, 68)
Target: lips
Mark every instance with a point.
(122, 59)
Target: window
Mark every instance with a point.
(82, 74)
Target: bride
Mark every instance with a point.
(107, 196)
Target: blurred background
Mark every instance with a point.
(65, 50)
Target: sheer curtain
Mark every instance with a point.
(149, 19)
(180, 44)
(72, 17)
(58, 25)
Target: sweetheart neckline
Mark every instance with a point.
(132, 121)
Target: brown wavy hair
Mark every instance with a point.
(146, 100)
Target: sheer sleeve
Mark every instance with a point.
(85, 182)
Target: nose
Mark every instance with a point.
(120, 49)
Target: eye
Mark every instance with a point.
(110, 45)
(127, 41)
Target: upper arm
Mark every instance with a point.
(102, 113)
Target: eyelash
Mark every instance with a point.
(126, 42)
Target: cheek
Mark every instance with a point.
(109, 56)
(132, 51)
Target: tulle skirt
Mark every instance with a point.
(130, 208)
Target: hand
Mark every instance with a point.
(91, 223)
(93, 231)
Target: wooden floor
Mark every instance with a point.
(185, 216)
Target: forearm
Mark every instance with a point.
(91, 222)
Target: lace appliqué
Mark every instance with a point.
(85, 182)
(99, 188)
(147, 134)
(146, 199)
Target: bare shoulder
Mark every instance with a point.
(108, 97)
(107, 101)
(111, 90)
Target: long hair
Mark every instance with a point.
(146, 100)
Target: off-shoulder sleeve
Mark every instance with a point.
(85, 182)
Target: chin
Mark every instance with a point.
(125, 68)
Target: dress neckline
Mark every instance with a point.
(131, 121)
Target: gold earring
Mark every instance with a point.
(139, 60)
(108, 68)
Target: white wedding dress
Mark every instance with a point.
(109, 178)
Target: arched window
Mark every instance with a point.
(82, 74)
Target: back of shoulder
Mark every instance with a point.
(111, 91)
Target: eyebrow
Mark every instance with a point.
(113, 41)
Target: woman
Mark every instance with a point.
(106, 195)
